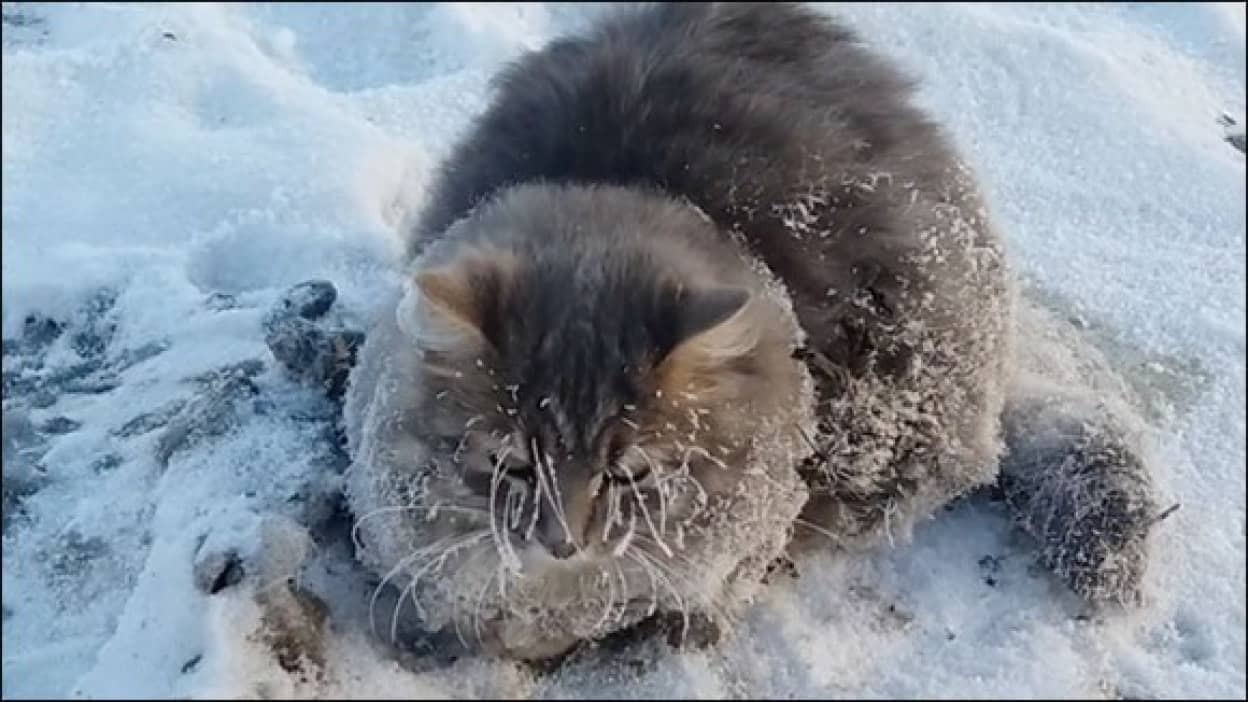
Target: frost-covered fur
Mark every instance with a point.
(704, 148)
(492, 422)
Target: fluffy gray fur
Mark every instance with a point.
(647, 184)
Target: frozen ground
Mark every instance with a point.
(168, 171)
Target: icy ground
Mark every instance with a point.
(169, 171)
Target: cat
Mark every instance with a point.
(697, 282)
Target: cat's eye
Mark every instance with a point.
(623, 475)
(616, 447)
(511, 466)
(512, 469)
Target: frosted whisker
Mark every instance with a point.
(640, 558)
(403, 563)
(641, 503)
(543, 465)
(709, 603)
(430, 510)
(432, 551)
(537, 507)
(627, 539)
(660, 488)
(440, 561)
(398, 607)
(613, 508)
(606, 611)
(502, 541)
(476, 610)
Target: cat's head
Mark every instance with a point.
(596, 368)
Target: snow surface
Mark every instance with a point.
(168, 152)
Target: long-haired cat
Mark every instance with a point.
(694, 278)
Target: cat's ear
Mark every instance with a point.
(708, 310)
(447, 306)
(716, 329)
(446, 293)
(712, 327)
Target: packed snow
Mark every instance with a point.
(170, 171)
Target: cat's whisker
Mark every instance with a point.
(624, 542)
(372, 602)
(606, 611)
(798, 521)
(889, 510)
(502, 541)
(355, 528)
(515, 507)
(707, 601)
(431, 509)
(403, 563)
(686, 472)
(398, 607)
(638, 556)
(537, 508)
(711, 606)
(619, 571)
(660, 488)
(440, 560)
(459, 633)
(508, 498)
(476, 610)
(544, 468)
(613, 512)
(676, 556)
(654, 584)
(502, 588)
(641, 503)
(454, 577)
(705, 454)
(495, 479)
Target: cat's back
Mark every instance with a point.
(729, 105)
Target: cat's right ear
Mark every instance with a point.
(442, 311)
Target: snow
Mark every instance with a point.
(168, 152)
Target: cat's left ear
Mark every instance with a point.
(716, 329)
(713, 321)
(713, 326)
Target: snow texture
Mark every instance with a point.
(171, 520)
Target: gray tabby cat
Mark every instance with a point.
(695, 280)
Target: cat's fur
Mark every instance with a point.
(594, 294)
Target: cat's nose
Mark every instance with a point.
(563, 549)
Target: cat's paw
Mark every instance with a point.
(689, 631)
(1084, 490)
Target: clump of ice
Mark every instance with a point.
(190, 163)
